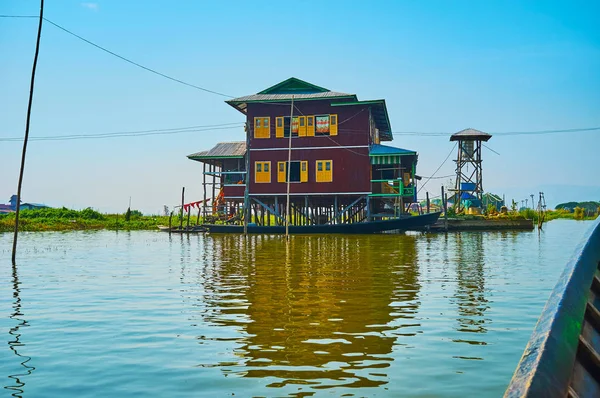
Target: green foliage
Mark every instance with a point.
(128, 214)
(589, 207)
(63, 219)
(579, 213)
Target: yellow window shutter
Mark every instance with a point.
(319, 171)
(329, 170)
(266, 127)
(281, 171)
(257, 128)
(310, 126)
(267, 172)
(279, 127)
(304, 171)
(333, 125)
(257, 171)
(302, 126)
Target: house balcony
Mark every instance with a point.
(390, 188)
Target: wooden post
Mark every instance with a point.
(287, 209)
(170, 224)
(445, 202)
(204, 189)
(246, 209)
(214, 183)
(181, 211)
(428, 203)
(26, 138)
(188, 220)
(198, 219)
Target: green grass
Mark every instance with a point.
(530, 214)
(74, 220)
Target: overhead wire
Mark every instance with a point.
(438, 169)
(332, 140)
(141, 133)
(405, 133)
(135, 63)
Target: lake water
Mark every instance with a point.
(145, 314)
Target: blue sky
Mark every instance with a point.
(441, 66)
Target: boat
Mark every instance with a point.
(184, 230)
(368, 227)
(562, 358)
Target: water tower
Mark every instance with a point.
(468, 167)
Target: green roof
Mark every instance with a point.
(294, 85)
(284, 91)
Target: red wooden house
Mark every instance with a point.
(338, 169)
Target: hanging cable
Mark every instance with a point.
(440, 166)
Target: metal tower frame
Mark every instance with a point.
(469, 153)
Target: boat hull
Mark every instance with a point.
(371, 227)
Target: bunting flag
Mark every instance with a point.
(193, 204)
(185, 207)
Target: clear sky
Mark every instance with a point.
(442, 66)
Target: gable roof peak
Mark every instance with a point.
(294, 85)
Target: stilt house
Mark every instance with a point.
(339, 170)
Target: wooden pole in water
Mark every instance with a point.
(170, 224)
(26, 138)
(188, 220)
(246, 209)
(288, 168)
(181, 211)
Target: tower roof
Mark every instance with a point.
(470, 135)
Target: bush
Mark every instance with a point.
(579, 213)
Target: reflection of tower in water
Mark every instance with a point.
(15, 345)
(470, 291)
(323, 310)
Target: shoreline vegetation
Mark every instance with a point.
(64, 219)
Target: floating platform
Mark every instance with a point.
(483, 224)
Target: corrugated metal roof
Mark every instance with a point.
(385, 150)
(241, 103)
(470, 134)
(222, 150)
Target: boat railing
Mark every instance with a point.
(561, 358)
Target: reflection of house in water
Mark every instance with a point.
(470, 291)
(325, 310)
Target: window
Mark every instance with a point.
(326, 125)
(302, 126)
(286, 126)
(279, 127)
(298, 171)
(262, 173)
(310, 126)
(262, 127)
(324, 171)
(333, 125)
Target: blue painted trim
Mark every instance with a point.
(547, 363)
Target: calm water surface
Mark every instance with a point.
(105, 314)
